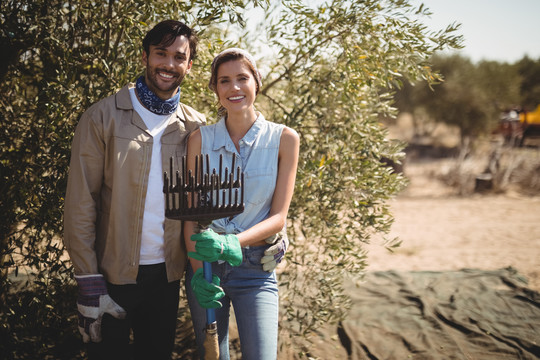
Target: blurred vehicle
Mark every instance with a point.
(530, 124)
(517, 125)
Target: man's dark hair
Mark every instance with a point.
(166, 32)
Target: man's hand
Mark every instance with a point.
(211, 247)
(275, 253)
(94, 301)
(207, 294)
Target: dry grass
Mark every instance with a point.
(505, 169)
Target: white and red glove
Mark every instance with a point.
(94, 301)
(275, 253)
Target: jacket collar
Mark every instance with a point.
(223, 140)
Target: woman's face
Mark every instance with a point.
(236, 86)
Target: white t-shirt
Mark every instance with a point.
(154, 208)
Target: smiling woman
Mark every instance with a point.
(267, 153)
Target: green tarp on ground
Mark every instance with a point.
(468, 314)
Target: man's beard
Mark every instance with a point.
(153, 81)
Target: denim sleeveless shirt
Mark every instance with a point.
(258, 159)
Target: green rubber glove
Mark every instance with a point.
(207, 294)
(212, 247)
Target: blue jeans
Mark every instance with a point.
(253, 293)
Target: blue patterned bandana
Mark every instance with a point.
(152, 102)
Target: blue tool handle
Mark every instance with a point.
(207, 271)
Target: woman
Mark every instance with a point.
(267, 153)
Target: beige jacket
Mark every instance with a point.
(108, 176)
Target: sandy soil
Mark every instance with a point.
(441, 231)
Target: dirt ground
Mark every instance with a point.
(441, 231)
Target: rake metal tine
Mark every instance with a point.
(166, 180)
(196, 173)
(177, 174)
(207, 164)
(231, 183)
(242, 190)
(181, 184)
(206, 184)
(190, 185)
(218, 187)
(233, 162)
(237, 182)
(201, 176)
(220, 165)
(212, 181)
(171, 168)
(166, 190)
(223, 199)
(184, 172)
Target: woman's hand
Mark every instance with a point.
(275, 253)
(211, 247)
(207, 294)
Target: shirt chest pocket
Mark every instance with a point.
(259, 184)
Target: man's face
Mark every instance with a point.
(166, 67)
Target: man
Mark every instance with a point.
(128, 258)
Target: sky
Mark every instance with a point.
(499, 30)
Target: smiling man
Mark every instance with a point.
(128, 258)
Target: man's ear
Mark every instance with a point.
(189, 66)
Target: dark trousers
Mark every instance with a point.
(152, 309)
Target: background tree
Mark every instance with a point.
(471, 97)
(331, 78)
(500, 82)
(529, 70)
